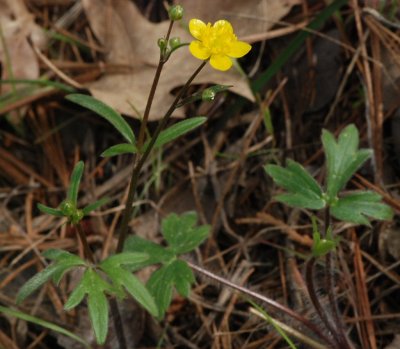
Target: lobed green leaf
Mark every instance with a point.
(356, 207)
(162, 281)
(303, 190)
(343, 158)
(106, 112)
(181, 233)
(35, 282)
(124, 278)
(97, 304)
(118, 149)
(156, 253)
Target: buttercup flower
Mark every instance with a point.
(216, 42)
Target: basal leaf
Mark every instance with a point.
(160, 286)
(125, 258)
(73, 189)
(76, 296)
(356, 207)
(343, 158)
(62, 255)
(124, 278)
(106, 112)
(177, 130)
(161, 283)
(118, 149)
(183, 277)
(303, 190)
(97, 304)
(35, 282)
(50, 211)
(157, 254)
(181, 233)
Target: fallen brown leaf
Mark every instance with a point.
(130, 39)
(247, 17)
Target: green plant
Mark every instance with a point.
(105, 281)
(343, 159)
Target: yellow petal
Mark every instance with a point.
(220, 62)
(198, 50)
(238, 49)
(223, 26)
(196, 28)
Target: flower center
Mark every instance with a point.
(217, 40)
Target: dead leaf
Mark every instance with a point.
(247, 17)
(17, 26)
(130, 39)
(16, 54)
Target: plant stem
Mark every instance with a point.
(262, 298)
(315, 301)
(330, 289)
(150, 99)
(118, 325)
(139, 164)
(86, 249)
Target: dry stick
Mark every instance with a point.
(136, 171)
(263, 299)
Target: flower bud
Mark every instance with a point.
(174, 42)
(67, 208)
(77, 216)
(175, 13)
(208, 95)
(162, 43)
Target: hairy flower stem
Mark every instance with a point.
(263, 299)
(150, 99)
(139, 164)
(86, 249)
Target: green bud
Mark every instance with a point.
(162, 43)
(67, 208)
(208, 95)
(175, 13)
(174, 42)
(77, 216)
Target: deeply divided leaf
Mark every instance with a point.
(343, 158)
(181, 233)
(73, 189)
(35, 282)
(97, 304)
(156, 253)
(64, 261)
(122, 278)
(163, 280)
(303, 190)
(106, 112)
(356, 207)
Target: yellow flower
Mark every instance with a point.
(216, 42)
